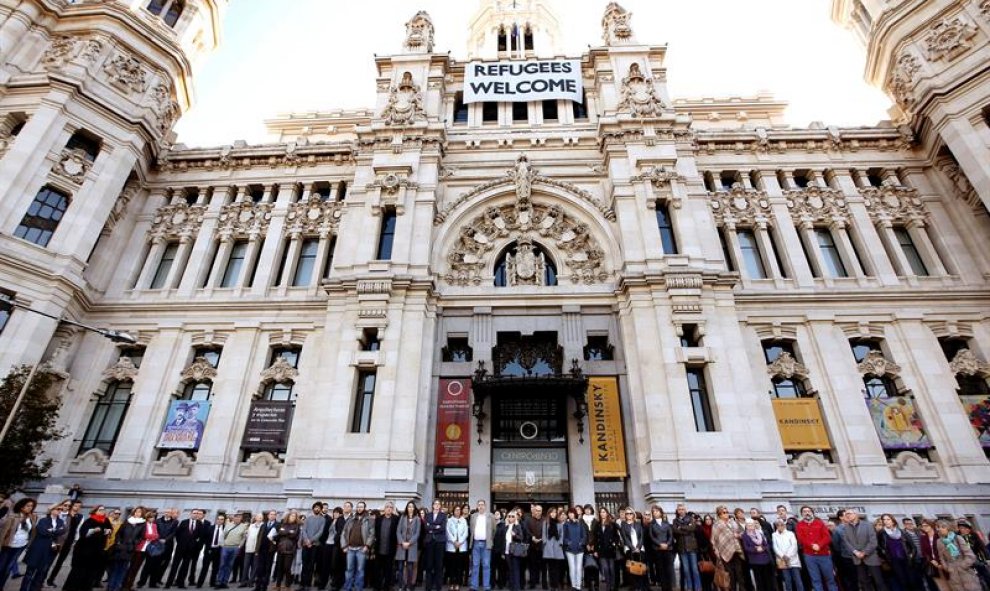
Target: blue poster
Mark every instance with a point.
(184, 425)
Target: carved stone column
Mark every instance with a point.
(151, 263)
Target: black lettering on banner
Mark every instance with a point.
(524, 87)
(555, 67)
(482, 87)
(479, 70)
(566, 67)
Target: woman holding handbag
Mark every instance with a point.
(757, 549)
(553, 552)
(633, 545)
(516, 541)
(728, 552)
(785, 548)
(956, 559)
(928, 539)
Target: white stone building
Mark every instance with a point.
(713, 263)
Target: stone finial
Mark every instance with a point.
(616, 28)
(419, 34)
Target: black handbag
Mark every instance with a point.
(518, 549)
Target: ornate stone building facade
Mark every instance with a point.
(781, 315)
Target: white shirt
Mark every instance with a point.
(785, 546)
(252, 538)
(508, 537)
(633, 538)
(22, 534)
(480, 526)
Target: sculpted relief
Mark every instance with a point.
(405, 103)
(639, 96)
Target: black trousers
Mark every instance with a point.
(183, 565)
(386, 571)
(433, 565)
(63, 553)
(309, 556)
(263, 569)
(537, 566)
(324, 564)
(662, 569)
(155, 566)
(211, 563)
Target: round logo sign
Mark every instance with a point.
(455, 388)
(528, 430)
(453, 432)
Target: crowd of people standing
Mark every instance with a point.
(349, 548)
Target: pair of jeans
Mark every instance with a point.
(118, 572)
(481, 558)
(575, 568)
(8, 562)
(34, 576)
(227, 557)
(820, 569)
(354, 579)
(689, 566)
(792, 579)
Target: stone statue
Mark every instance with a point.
(616, 29)
(639, 97)
(419, 34)
(523, 175)
(405, 103)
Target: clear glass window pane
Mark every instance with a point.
(234, 264)
(307, 261)
(751, 254)
(830, 253)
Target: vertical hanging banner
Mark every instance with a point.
(800, 423)
(519, 81)
(453, 446)
(608, 449)
(897, 423)
(268, 425)
(978, 411)
(184, 425)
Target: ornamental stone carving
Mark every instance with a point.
(177, 220)
(260, 465)
(902, 81)
(616, 25)
(126, 72)
(639, 96)
(166, 109)
(875, 364)
(280, 372)
(908, 465)
(966, 363)
(176, 464)
(72, 165)
(199, 370)
(740, 206)
(314, 216)
(522, 175)
(660, 178)
(949, 38)
(120, 205)
(474, 250)
(59, 52)
(390, 183)
(123, 370)
(813, 466)
(786, 367)
(405, 103)
(527, 266)
(92, 461)
(245, 219)
(963, 188)
(91, 49)
(817, 205)
(985, 10)
(419, 34)
(892, 203)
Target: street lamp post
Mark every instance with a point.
(9, 303)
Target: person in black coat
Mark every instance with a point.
(608, 543)
(89, 554)
(661, 536)
(435, 549)
(154, 566)
(73, 517)
(188, 545)
(124, 546)
(42, 549)
(386, 528)
(264, 553)
(634, 546)
(507, 534)
(212, 540)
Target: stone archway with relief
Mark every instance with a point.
(537, 216)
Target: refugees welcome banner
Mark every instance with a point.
(518, 81)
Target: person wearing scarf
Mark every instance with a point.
(757, 548)
(89, 552)
(897, 549)
(149, 534)
(125, 544)
(956, 558)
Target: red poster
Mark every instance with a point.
(454, 424)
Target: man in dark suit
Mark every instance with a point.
(213, 539)
(264, 553)
(154, 566)
(188, 536)
(73, 518)
(436, 546)
(386, 527)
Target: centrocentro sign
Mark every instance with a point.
(522, 81)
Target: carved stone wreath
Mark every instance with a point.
(949, 38)
(875, 364)
(123, 370)
(126, 72)
(72, 165)
(817, 205)
(314, 216)
(639, 96)
(893, 203)
(177, 220)
(740, 205)
(471, 256)
(245, 219)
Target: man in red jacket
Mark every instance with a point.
(814, 538)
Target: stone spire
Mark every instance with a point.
(513, 29)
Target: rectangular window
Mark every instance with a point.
(307, 261)
(108, 417)
(489, 112)
(783, 387)
(690, 335)
(256, 193)
(703, 420)
(89, 145)
(666, 227)
(862, 347)
(165, 265)
(550, 111)
(580, 109)
(751, 254)
(386, 235)
(341, 190)
(911, 252)
(520, 112)
(369, 339)
(460, 109)
(830, 253)
(43, 216)
(361, 422)
(235, 264)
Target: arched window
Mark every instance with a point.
(502, 39)
(169, 10)
(520, 264)
(108, 416)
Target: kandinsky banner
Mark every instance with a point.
(897, 423)
(608, 450)
(453, 447)
(523, 81)
(800, 423)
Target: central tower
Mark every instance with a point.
(513, 29)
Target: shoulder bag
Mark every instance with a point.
(722, 579)
(518, 549)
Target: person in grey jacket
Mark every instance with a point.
(662, 543)
(356, 541)
(312, 531)
(861, 539)
(407, 546)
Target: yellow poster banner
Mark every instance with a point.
(608, 450)
(800, 423)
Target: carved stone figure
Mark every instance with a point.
(616, 27)
(405, 103)
(124, 369)
(166, 109)
(126, 72)
(902, 81)
(527, 267)
(523, 175)
(740, 205)
(785, 366)
(419, 34)
(59, 52)
(639, 96)
(966, 363)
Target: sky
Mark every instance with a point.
(281, 56)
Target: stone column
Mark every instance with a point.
(179, 264)
(814, 254)
(291, 260)
(846, 250)
(789, 238)
(893, 247)
(220, 261)
(199, 266)
(871, 245)
(158, 245)
(971, 154)
(481, 339)
(272, 248)
(919, 235)
(768, 252)
(250, 258)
